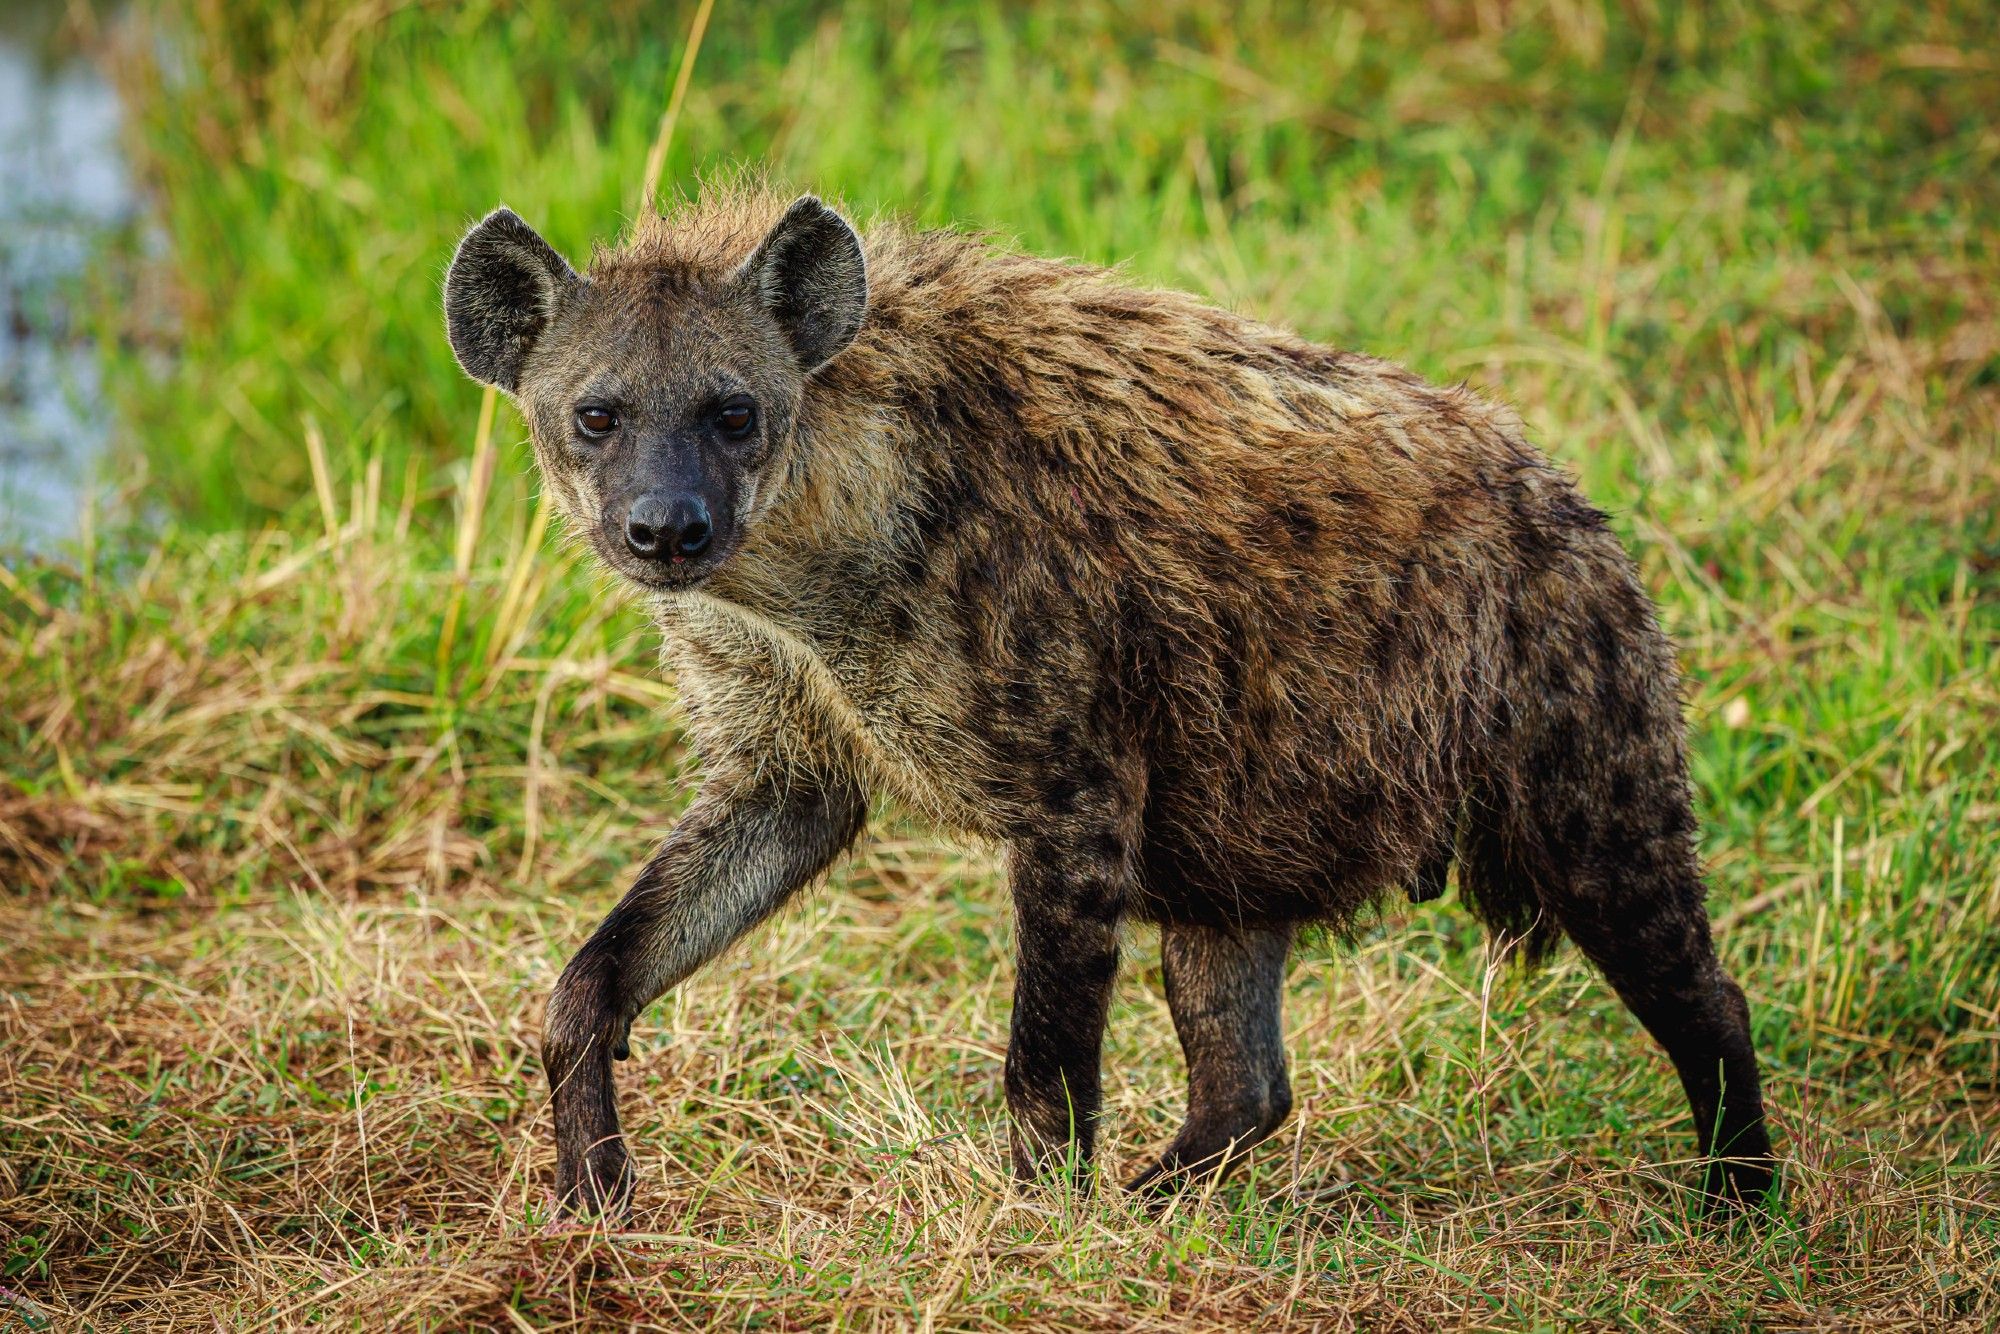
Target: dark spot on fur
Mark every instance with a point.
(1576, 831)
(1300, 524)
(1059, 793)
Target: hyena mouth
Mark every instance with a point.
(669, 576)
(668, 579)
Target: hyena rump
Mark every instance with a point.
(1208, 625)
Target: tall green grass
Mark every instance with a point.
(1426, 189)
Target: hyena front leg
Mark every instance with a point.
(1069, 893)
(733, 859)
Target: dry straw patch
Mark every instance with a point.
(324, 1109)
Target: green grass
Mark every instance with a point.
(290, 869)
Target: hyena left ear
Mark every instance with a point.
(503, 287)
(809, 273)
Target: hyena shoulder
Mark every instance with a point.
(760, 689)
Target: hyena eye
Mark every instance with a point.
(596, 421)
(736, 418)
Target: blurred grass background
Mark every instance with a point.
(1426, 181)
(290, 865)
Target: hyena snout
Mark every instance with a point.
(668, 527)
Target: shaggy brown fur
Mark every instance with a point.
(1209, 625)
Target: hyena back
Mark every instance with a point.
(1208, 625)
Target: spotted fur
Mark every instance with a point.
(1207, 624)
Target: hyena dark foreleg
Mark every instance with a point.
(1069, 893)
(733, 859)
(1224, 988)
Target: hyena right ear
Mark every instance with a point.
(501, 290)
(810, 275)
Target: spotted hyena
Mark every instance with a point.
(1207, 625)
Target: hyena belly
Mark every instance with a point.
(1317, 834)
(1317, 754)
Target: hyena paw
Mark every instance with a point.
(597, 1183)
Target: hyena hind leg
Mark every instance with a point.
(1622, 880)
(1695, 1010)
(1224, 988)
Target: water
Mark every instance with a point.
(64, 187)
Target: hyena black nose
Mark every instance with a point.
(658, 528)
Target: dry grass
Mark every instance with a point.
(300, 823)
(314, 1107)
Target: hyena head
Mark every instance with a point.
(661, 398)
